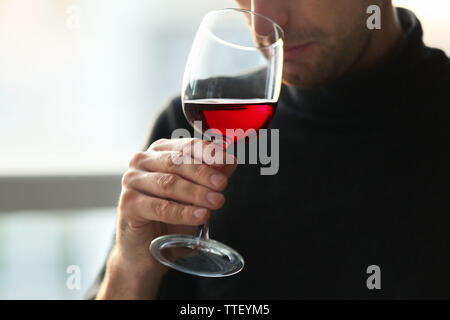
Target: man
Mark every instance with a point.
(360, 207)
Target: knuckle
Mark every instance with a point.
(177, 213)
(127, 177)
(160, 208)
(186, 144)
(136, 159)
(173, 159)
(127, 197)
(204, 143)
(166, 180)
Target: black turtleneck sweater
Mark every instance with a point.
(364, 179)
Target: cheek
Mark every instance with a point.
(244, 4)
(334, 17)
(321, 13)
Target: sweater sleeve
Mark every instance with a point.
(171, 117)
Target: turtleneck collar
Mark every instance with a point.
(346, 94)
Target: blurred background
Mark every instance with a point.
(81, 82)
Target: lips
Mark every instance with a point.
(291, 52)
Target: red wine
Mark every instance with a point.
(222, 114)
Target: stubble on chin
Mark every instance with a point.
(330, 60)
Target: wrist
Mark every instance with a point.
(127, 279)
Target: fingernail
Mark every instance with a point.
(217, 179)
(200, 213)
(214, 198)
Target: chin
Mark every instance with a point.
(300, 78)
(302, 72)
(309, 71)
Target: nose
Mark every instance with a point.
(274, 9)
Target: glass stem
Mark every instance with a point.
(202, 232)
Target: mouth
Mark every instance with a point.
(291, 52)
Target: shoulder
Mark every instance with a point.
(171, 115)
(169, 118)
(426, 94)
(426, 82)
(434, 69)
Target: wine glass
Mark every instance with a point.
(232, 81)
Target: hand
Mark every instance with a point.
(162, 196)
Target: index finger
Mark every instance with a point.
(201, 151)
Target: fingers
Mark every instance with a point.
(174, 187)
(203, 174)
(193, 148)
(142, 207)
(164, 185)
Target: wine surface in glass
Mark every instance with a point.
(218, 115)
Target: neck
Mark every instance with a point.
(383, 41)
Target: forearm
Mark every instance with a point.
(130, 281)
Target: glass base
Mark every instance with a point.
(197, 256)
